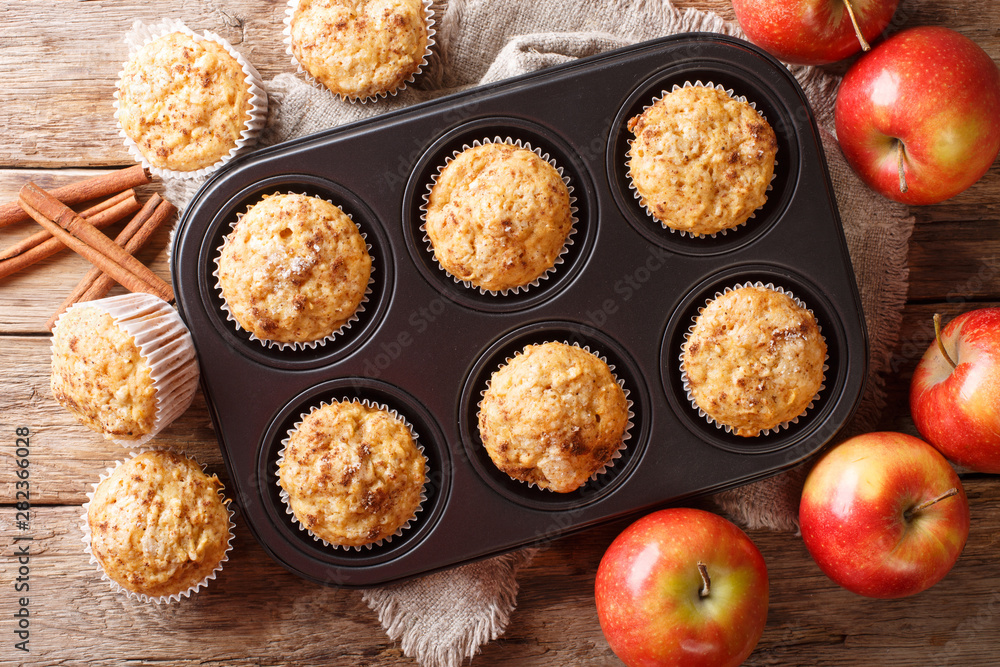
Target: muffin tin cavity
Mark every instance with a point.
(372, 308)
(540, 139)
(429, 437)
(830, 326)
(743, 83)
(622, 367)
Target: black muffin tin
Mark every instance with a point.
(426, 346)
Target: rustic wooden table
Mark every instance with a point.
(58, 64)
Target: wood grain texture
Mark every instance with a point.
(59, 75)
(283, 620)
(58, 62)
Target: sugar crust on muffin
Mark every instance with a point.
(98, 373)
(294, 269)
(498, 216)
(353, 473)
(554, 415)
(360, 48)
(754, 359)
(701, 161)
(158, 525)
(183, 101)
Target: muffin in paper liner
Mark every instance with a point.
(182, 592)
(142, 34)
(626, 432)
(402, 526)
(294, 345)
(374, 92)
(163, 342)
(639, 197)
(567, 242)
(776, 427)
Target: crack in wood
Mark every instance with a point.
(234, 21)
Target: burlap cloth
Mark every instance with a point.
(443, 618)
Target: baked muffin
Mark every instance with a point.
(701, 161)
(553, 416)
(295, 269)
(360, 48)
(158, 525)
(754, 359)
(184, 102)
(124, 366)
(352, 474)
(498, 216)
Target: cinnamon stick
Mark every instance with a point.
(54, 210)
(140, 228)
(164, 211)
(126, 278)
(53, 245)
(109, 202)
(113, 213)
(85, 190)
(94, 215)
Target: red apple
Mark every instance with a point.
(955, 392)
(918, 117)
(884, 515)
(682, 587)
(813, 32)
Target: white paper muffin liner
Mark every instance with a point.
(629, 423)
(684, 378)
(142, 34)
(569, 237)
(403, 527)
(171, 239)
(292, 5)
(635, 193)
(142, 597)
(297, 345)
(164, 342)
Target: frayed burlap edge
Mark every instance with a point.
(443, 618)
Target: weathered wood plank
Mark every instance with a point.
(281, 619)
(967, 233)
(70, 453)
(811, 621)
(59, 74)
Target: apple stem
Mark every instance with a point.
(940, 343)
(927, 503)
(706, 581)
(865, 46)
(903, 187)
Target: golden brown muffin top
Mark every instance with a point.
(754, 359)
(554, 415)
(183, 101)
(701, 161)
(100, 375)
(158, 525)
(353, 473)
(294, 269)
(360, 48)
(498, 216)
